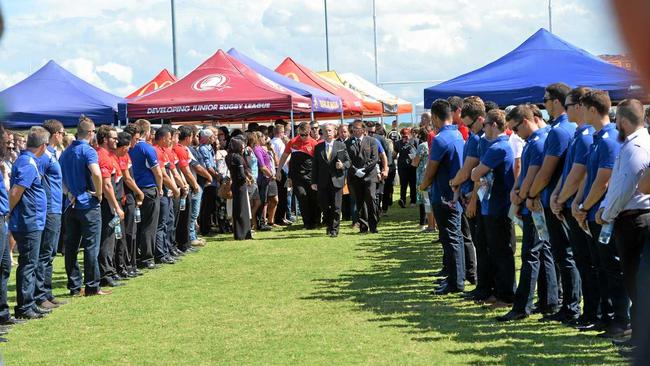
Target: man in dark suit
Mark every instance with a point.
(363, 175)
(329, 164)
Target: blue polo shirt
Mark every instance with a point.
(206, 155)
(470, 150)
(143, 158)
(602, 154)
(49, 166)
(557, 143)
(577, 153)
(28, 214)
(532, 155)
(75, 161)
(447, 150)
(500, 158)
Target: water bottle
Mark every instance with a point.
(138, 217)
(115, 222)
(485, 188)
(513, 216)
(606, 233)
(540, 225)
(118, 231)
(183, 204)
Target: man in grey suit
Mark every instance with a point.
(329, 164)
(363, 175)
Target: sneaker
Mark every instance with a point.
(197, 243)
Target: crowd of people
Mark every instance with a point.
(142, 197)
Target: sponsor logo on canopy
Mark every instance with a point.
(211, 82)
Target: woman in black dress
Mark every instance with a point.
(240, 205)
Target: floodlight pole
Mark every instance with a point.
(174, 38)
(550, 16)
(374, 28)
(327, 41)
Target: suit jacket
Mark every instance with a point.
(324, 171)
(363, 155)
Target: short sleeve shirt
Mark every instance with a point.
(75, 162)
(557, 143)
(297, 144)
(183, 156)
(52, 180)
(144, 158)
(577, 153)
(447, 150)
(499, 157)
(29, 213)
(533, 155)
(602, 154)
(470, 150)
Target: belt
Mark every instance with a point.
(633, 212)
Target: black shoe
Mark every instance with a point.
(592, 326)
(109, 282)
(29, 315)
(265, 228)
(374, 231)
(446, 290)
(75, 293)
(117, 277)
(333, 234)
(401, 203)
(178, 252)
(131, 274)
(124, 275)
(616, 331)
(511, 316)
(441, 280)
(623, 342)
(471, 280)
(560, 316)
(12, 321)
(39, 310)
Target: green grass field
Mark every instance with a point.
(295, 297)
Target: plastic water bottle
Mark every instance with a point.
(138, 216)
(182, 204)
(115, 222)
(485, 189)
(118, 231)
(606, 233)
(540, 225)
(512, 213)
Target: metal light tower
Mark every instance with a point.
(374, 29)
(327, 41)
(550, 16)
(174, 38)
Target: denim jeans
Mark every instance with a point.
(160, 248)
(563, 255)
(49, 244)
(82, 228)
(449, 221)
(28, 244)
(5, 270)
(196, 208)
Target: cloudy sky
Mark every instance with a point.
(119, 45)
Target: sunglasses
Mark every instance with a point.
(515, 128)
(546, 99)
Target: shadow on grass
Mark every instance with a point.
(397, 288)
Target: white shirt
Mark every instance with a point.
(623, 191)
(278, 148)
(517, 145)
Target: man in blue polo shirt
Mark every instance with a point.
(473, 116)
(148, 178)
(26, 202)
(534, 252)
(82, 183)
(573, 173)
(555, 148)
(49, 166)
(495, 204)
(614, 301)
(445, 159)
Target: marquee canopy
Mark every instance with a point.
(521, 75)
(220, 88)
(291, 69)
(52, 92)
(322, 101)
(391, 103)
(370, 106)
(160, 81)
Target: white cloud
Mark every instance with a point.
(7, 80)
(121, 73)
(84, 69)
(150, 27)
